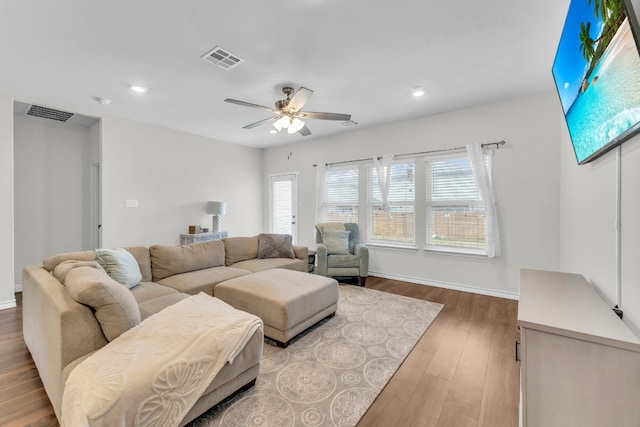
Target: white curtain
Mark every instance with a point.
(321, 193)
(481, 174)
(383, 170)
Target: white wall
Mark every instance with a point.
(525, 175)
(630, 274)
(52, 165)
(7, 298)
(172, 175)
(588, 215)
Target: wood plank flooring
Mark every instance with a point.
(462, 372)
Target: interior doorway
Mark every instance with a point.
(95, 215)
(56, 184)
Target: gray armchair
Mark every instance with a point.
(352, 260)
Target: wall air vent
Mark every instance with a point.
(222, 58)
(48, 113)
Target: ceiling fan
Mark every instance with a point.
(288, 112)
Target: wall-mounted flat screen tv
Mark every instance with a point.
(597, 75)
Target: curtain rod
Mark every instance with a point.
(488, 144)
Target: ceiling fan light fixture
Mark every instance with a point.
(277, 125)
(295, 126)
(284, 122)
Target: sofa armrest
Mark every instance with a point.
(56, 329)
(321, 259)
(301, 252)
(362, 252)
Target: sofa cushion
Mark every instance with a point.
(62, 269)
(152, 306)
(141, 254)
(238, 249)
(275, 246)
(120, 265)
(115, 306)
(146, 291)
(204, 280)
(336, 241)
(266, 264)
(52, 262)
(167, 260)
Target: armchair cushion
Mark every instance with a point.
(343, 261)
(336, 241)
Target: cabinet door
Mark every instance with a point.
(572, 382)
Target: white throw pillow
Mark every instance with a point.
(120, 265)
(336, 241)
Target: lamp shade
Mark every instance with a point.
(285, 121)
(295, 125)
(216, 208)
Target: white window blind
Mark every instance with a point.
(397, 224)
(456, 217)
(282, 207)
(342, 194)
(283, 204)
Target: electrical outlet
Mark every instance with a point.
(130, 203)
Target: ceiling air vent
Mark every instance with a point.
(222, 58)
(48, 113)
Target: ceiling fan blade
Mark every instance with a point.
(261, 122)
(304, 131)
(324, 116)
(248, 104)
(300, 98)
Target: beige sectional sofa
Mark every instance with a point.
(61, 332)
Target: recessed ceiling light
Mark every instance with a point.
(417, 92)
(138, 88)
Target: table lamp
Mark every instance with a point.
(216, 209)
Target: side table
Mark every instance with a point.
(186, 239)
(312, 261)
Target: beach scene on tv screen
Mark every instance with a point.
(597, 74)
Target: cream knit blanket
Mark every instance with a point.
(153, 374)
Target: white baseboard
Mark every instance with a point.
(17, 287)
(7, 304)
(445, 285)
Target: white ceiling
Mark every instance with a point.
(361, 57)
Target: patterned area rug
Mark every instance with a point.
(330, 374)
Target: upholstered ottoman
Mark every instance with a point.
(287, 301)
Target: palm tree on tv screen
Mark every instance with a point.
(586, 42)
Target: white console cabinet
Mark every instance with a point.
(580, 362)
(186, 239)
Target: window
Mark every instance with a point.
(397, 223)
(455, 217)
(342, 195)
(433, 203)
